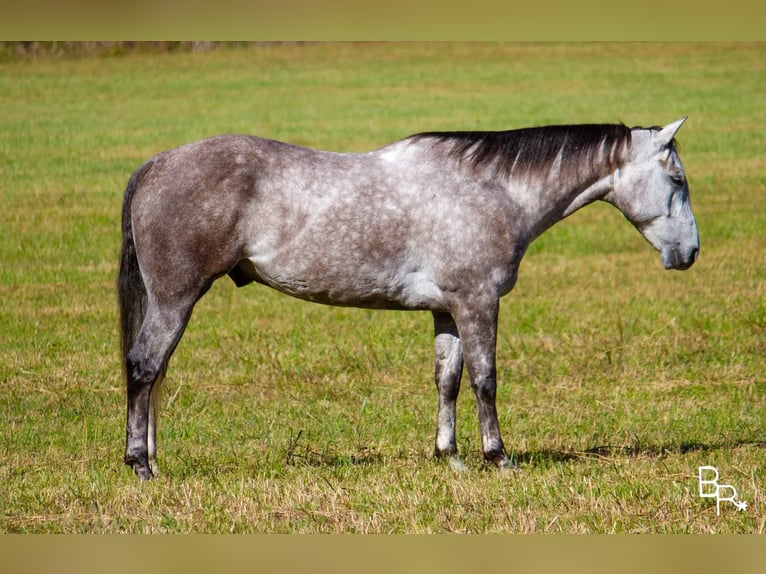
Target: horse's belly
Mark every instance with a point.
(361, 285)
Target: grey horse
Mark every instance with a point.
(437, 221)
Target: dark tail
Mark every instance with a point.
(131, 290)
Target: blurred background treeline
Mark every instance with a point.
(85, 49)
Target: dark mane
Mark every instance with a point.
(584, 149)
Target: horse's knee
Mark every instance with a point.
(485, 389)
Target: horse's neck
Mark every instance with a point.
(580, 197)
(548, 202)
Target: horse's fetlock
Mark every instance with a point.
(449, 451)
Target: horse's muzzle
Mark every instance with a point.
(675, 259)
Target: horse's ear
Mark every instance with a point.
(667, 133)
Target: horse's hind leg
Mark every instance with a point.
(447, 373)
(151, 437)
(146, 364)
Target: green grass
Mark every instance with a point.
(617, 379)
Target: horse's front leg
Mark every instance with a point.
(447, 373)
(476, 321)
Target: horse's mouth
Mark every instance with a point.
(673, 259)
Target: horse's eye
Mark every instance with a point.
(677, 180)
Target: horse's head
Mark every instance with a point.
(651, 190)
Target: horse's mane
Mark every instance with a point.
(588, 148)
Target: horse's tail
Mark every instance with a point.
(131, 289)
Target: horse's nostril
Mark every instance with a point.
(695, 254)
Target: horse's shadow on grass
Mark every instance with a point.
(610, 452)
(300, 453)
(325, 459)
(305, 456)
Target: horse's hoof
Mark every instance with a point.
(141, 470)
(501, 460)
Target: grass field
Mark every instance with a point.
(617, 379)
